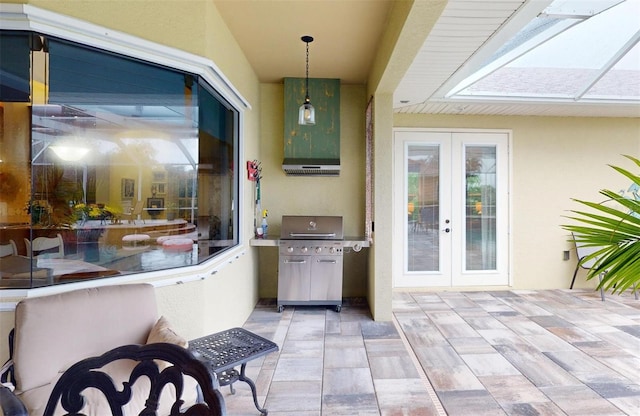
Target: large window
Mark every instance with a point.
(116, 165)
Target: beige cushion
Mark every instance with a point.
(162, 332)
(54, 332)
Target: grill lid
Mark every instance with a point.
(307, 227)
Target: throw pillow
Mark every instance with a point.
(162, 332)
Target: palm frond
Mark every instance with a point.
(615, 231)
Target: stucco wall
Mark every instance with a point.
(228, 297)
(553, 160)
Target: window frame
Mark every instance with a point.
(24, 17)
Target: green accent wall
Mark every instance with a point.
(321, 140)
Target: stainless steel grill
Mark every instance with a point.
(310, 261)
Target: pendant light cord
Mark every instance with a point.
(307, 83)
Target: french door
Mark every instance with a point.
(451, 225)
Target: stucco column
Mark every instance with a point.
(380, 257)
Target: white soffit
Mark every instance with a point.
(462, 29)
(465, 38)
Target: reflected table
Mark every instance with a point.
(21, 271)
(68, 267)
(223, 351)
(22, 267)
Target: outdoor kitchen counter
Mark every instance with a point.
(350, 242)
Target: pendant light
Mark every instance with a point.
(307, 114)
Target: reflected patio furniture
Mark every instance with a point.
(18, 270)
(178, 244)
(45, 246)
(8, 249)
(134, 212)
(428, 218)
(70, 267)
(21, 267)
(135, 242)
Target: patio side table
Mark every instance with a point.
(223, 351)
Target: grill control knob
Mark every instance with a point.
(332, 250)
(318, 250)
(303, 249)
(289, 249)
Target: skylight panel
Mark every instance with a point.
(571, 51)
(622, 82)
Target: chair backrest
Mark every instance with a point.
(88, 374)
(583, 251)
(137, 209)
(39, 245)
(133, 212)
(8, 249)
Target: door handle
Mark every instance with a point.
(295, 261)
(446, 230)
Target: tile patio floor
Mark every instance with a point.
(555, 352)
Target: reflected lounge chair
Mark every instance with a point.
(52, 247)
(133, 213)
(8, 249)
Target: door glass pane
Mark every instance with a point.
(480, 210)
(423, 207)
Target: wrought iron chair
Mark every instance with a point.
(582, 252)
(162, 364)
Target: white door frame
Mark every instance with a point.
(444, 277)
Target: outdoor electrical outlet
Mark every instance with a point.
(565, 255)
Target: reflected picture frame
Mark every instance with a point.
(155, 203)
(128, 188)
(159, 188)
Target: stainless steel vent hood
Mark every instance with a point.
(312, 150)
(311, 167)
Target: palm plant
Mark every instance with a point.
(615, 232)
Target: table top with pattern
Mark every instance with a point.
(230, 348)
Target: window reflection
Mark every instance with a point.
(423, 193)
(480, 212)
(131, 163)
